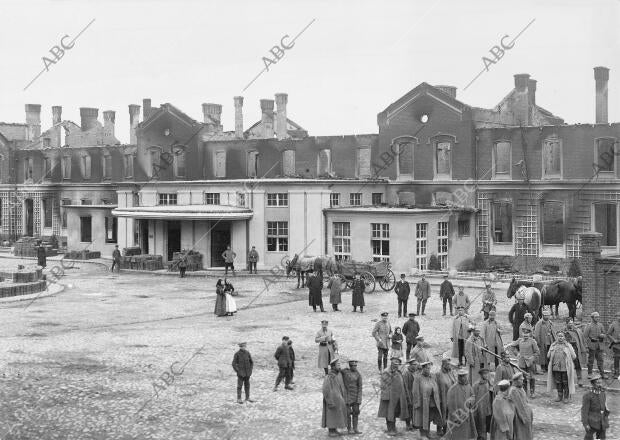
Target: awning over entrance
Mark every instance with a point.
(185, 212)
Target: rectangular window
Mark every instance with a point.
(606, 155)
(501, 159)
(167, 199)
(277, 236)
(288, 162)
(85, 164)
(155, 158)
(252, 164)
(47, 168)
(128, 165)
(362, 163)
(111, 225)
(324, 165)
(442, 244)
(341, 241)
(552, 223)
(66, 167)
(605, 222)
(47, 212)
(28, 165)
(212, 198)
(85, 230)
(241, 201)
(65, 202)
(377, 198)
(552, 158)
(420, 246)
(355, 199)
(405, 159)
(442, 159)
(277, 199)
(106, 202)
(380, 241)
(179, 163)
(86, 202)
(334, 200)
(220, 164)
(463, 225)
(502, 222)
(107, 166)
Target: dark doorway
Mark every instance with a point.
(174, 238)
(220, 238)
(144, 236)
(28, 208)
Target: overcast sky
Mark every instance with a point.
(354, 60)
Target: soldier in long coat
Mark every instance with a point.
(527, 358)
(334, 403)
(574, 336)
(41, 256)
(426, 403)
(315, 291)
(594, 412)
(410, 373)
(327, 346)
(483, 413)
(503, 371)
(335, 289)
(476, 358)
(594, 333)
(393, 402)
(492, 337)
(561, 374)
(460, 326)
(461, 423)
(524, 416)
(353, 385)
(445, 378)
(503, 414)
(357, 293)
(544, 333)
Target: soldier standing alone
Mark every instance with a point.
(353, 384)
(446, 292)
(422, 292)
(402, 291)
(242, 364)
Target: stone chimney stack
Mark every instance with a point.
(212, 114)
(33, 120)
(521, 99)
(281, 121)
(601, 77)
(89, 117)
(238, 117)
(531, 88)
(266, 106)
(109, 118)
(57, 119)
(146, 108)
(134, 120)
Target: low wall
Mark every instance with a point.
(22, 281)
(22, 289)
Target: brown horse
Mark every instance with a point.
(563, 291)
(303, 265)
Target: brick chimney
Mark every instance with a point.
(134, 120)
(531, 89)
(57, 119)
(89, 117)
(146, 108)
(33, 120)
(601, 76)
(448, 90)
(266, 106)
(238, 116)
(212, 114)
(281, 122)
(109, 118)
(521, 105)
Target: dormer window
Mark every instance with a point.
(85, 165)
(154, 159)
(552, 158)
(362, 163)
(47, 167)
(66, 167)
(403, 149)
(107, 165)
(28, 166)
(178, 161)
(128, 165)
(324, 162)
(252, 163)
(502, 160)
(606, 156)
(288, 162)
(443, 160)
(220, 164)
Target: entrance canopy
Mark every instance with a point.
(185, 212)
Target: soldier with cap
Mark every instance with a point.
(594, 333)
(353, 385)
(524, 418)
(526, 324)
(411, 329)
(419, 352)
(357, 293)
(460, 327)
(544, 333)
(327, 346)
(483, 410)
(502, 426)
(393, 402)
(574, 336)
(242, 364)
(446, 292)
(476, 358)
(461, 299)
(410, 373)
(613, 334)
(461, 422)
(283, 356)
(422, 293)
(561, 373)
(491, 334)
(516, 315)
(445, 378)
(594, 412)
(527, 358)
(488, 299)
(402, 291)
(504, 370)
(426, 403)
(382, 333)
(334, 400)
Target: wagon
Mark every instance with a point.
(370, 273)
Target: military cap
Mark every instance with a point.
(396, 359)
(353, 361)
(546, 312)
(325, 321)
(384, 314)
(462, 372)
(595, 314)
(411, 315)
(242, 344)
(503, 383)
(333, 361)
(424, 364)
(596, 377)
(482, 371)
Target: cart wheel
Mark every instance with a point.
(388, 281)
(369, 281)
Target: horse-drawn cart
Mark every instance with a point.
(370, 273)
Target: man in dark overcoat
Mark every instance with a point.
(283, 356)
(446, 292)
(41, 255)
(357, 293)
(315, 290)
(393, 403)
(353, 384)
(402, 291)
(242, 364)
(334, 401)
(594, 412)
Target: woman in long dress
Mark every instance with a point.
(231, 305)
(220, 299)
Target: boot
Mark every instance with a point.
(560, 391)
(361, 309)
(423, 307)
(532, 387)
(444, 310)
(579, 378)
(349, 429)
(355, 421)
(566, 393)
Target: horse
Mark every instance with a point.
(566, 291)
(303, 265)
(533, 297)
